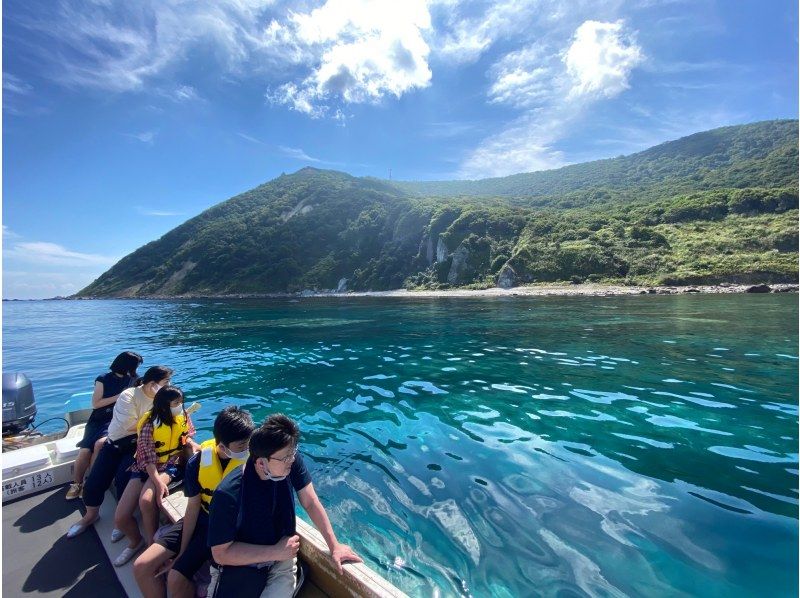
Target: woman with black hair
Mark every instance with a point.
(163, 433)
(117, 453)
(107, 388)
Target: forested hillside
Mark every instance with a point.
(713, 207)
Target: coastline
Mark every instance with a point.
(542, 290)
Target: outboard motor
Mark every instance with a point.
(19, 406)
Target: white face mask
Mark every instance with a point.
(156, 388)
(177, 410)
(242, 456)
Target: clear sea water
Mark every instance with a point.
(495, 446)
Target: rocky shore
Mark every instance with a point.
(540, 290)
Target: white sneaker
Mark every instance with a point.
(116, 535)
(128, 554)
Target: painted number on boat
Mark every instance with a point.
(28, 483)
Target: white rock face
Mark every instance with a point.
(441, 251)
(507, 277)
(342, 286)
(459, 259)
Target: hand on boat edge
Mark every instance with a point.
(344, 554)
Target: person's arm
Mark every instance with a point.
(226, 550)
(97, 397)
(242, 553)
(340, 553)
(147, 460)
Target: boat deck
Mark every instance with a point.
(39, 560)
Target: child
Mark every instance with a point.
(162, 434)
(107, 388)
(217, 458)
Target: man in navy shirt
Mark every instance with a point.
(251, 525)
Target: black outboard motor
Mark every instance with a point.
(19, 406)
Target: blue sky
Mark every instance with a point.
(123, 119)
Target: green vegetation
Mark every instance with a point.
(713, 207)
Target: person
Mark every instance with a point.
(217, 457)
(116, 455)
(251, 523)
(107, 388)
(163, 433)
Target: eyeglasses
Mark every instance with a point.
(287, 459)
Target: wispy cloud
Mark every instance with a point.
(553, 87)
(9, 234)
(147, 137)
(40, 252)
(159, 213)
(15, 85)
(297, 154)
(251, 139)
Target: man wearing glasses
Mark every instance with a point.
(251, 527)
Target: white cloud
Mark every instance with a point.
(553, 87)
(297, 154)
(40, 252)
(524, 78)
(600, 59)
(465, 30)
(357, 52)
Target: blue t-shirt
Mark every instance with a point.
(246, 508)
(112, 386)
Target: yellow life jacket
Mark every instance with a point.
(167, 439)
(211, 473)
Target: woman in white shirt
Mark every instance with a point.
(115, 458)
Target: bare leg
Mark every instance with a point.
(123, 517)
(148, 506)
(92, 513)
(179, 586)
(145, 568)
(82, 464)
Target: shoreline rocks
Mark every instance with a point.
(542, 290)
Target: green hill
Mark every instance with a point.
(713, 207)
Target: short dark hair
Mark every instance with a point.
(126, 363)
(155, 374)
(233, 424)
(275, 433)
(161, 408)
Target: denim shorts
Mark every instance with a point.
(173, 470)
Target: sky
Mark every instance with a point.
(123, 119)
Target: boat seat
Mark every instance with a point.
(67, 448)
(25, 459)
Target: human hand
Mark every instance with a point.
(343, 553)
(161, 491)
(287, 547)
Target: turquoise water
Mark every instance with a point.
(495, 447)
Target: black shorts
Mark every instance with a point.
(94, 431)
(197, 552)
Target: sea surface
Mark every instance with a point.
(555, 446)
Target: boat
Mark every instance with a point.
(38, 558)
